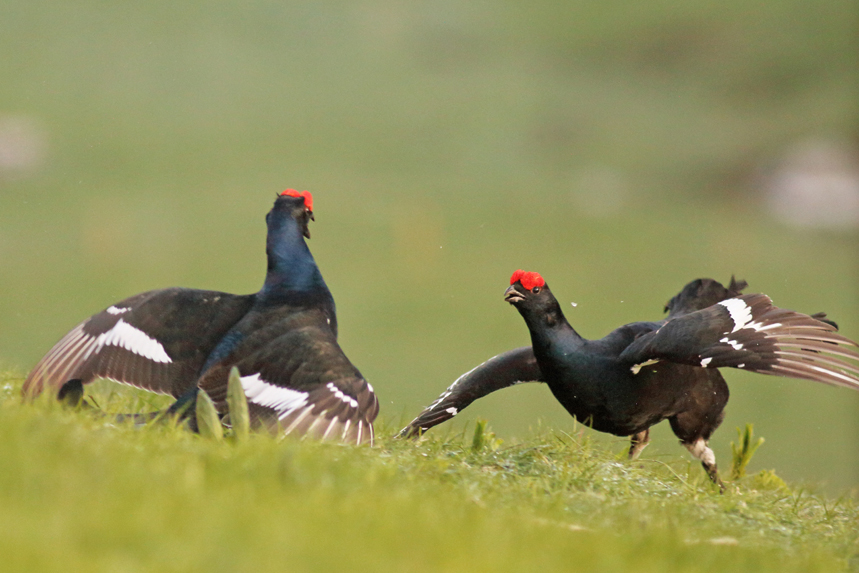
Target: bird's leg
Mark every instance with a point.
(700, 451)
(184, 408)
(637, 443)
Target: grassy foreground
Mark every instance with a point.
(78, 492)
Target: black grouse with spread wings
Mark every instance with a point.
(283, 339)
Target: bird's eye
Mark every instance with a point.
(535, 290)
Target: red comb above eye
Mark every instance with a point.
(528, 280)
(308, 198)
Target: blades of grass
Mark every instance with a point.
(742, 453)
(238, 405)
(477, 442)
(208, 421)
(483, 438)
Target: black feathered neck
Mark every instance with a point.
(291, 267)
(543, 315)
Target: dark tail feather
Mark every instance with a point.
(821, 316)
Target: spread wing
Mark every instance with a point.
(748, 332)
(297, 378)
(157, 341)
(511, 367)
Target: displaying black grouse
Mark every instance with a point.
(283, 339)
(645, 372)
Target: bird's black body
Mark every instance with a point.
(646, 372)
(282, 339)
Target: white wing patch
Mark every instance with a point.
(759, 327)
(262, 393)
(337, 393)
(740, 312)
(117, 310)
(123, 335)
(736, 345)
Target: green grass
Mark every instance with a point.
(78, 492)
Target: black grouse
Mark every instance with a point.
(645, 372)
(283, 339)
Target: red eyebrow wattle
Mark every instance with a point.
(528, 280)
(308, 198)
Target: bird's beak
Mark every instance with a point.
(307, 223)
(512, 295)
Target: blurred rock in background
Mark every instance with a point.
(23, 146)
(815, 184)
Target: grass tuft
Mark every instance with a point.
(483, 438)
(743, 451)
(208, 421)
(238, 405)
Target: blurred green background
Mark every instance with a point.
(619, 148)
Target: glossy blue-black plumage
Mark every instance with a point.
(646, 372)
(283, 339)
